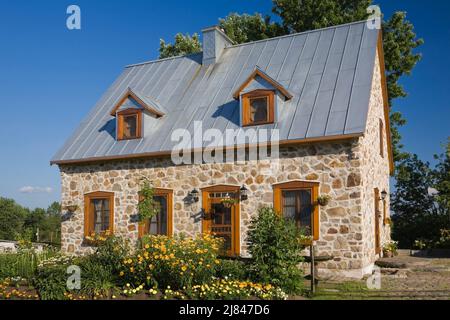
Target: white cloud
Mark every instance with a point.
(30, 189)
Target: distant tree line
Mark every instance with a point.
(20, 223)
(421, 201)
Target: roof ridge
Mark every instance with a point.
(160, 60)
(298, 33)
(246, 43)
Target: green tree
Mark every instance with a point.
(303, 15)
(245, 28)
(417, 213)
(183, 45)
(442, 175)
(12, 217)
(399, 42)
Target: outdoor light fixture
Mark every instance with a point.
(244, 193)
(383, 195)
(194, 195)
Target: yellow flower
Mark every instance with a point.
(121, 273)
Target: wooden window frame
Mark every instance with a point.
(294, 186)
(256, 94)
(381, 133)
(120, 123)
(88, 214)
(168, 193)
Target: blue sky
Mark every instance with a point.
(50, 77)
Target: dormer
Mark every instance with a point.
(258, 96)
(132, 112)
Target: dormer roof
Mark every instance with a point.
(132, 98)
(257, 72)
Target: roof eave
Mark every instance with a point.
(322, 139)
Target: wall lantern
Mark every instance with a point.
(244, 193)
(383, 195)
(194, 195)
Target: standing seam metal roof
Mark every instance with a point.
(328, 71)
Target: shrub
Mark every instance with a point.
(51, 278)
(175, 262)
(232, 269)
(276, 251)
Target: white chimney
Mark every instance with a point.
(214, 42)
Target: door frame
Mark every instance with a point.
(377, 238)
(236, 218)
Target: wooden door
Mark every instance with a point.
(377, 222)
(222, 221)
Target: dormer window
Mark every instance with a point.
(132, 110)
(258, 107)
(129, 124)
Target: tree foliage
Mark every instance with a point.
(419, 213)
(183, 45)
(17, 222)
(303, 15)
(246, 28)
(12, 217)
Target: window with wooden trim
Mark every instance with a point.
(381, 130)
(258, 107)
(98, 213)
(129, 124)
(161, 224)
(297, 201)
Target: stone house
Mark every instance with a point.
(316, 102)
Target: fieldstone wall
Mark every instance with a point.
(346, 170)
(334, 165)
(375, 170)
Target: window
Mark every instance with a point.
(381, 139)
(129, 124)
(296, 200)
(258, 107)
(99, 213)
(161, 224)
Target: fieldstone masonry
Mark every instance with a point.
(347, 170)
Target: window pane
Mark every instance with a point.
(158, 224)
(305, 215)
(258, 109)
(289, 204)
(129, 126)
(297, 205)
(101, 215)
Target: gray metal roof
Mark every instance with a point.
(328, 72)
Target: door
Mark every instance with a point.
(377, 222)
(222, 220)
